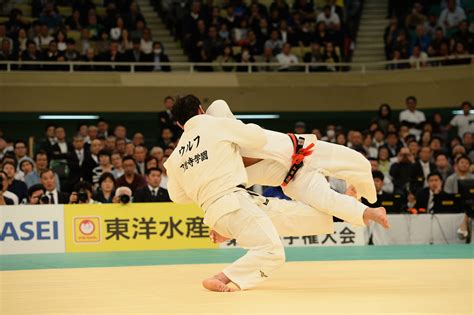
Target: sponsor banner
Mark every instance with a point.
(32, 229)
(144, 226)
(344, 234)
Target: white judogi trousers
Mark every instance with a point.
(258, 225)
(254, 231)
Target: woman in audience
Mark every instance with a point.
(384, 160)
(106, 191)
(61, 38)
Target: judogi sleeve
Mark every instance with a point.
(244, 135)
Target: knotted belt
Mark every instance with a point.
(298, 156)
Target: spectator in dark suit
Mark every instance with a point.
(61, 148)
(47, 178)
(113, 55)
(139, 155)
(103, 128)
(166, 118)
(106, 191)
(30, 54)
(421, 169)
(17, 187)
(20, 149)
(166, 138)
(130, 178)
(77, 157)
(152, 192)
(158, 56)
(47, 144)
(91, 160)
(429, 198)
(401, 171)
(136, 55)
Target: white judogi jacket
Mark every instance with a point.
(329, 159)
(206, 165)
(279, 148)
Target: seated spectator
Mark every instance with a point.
(130, 178)
(451, 16)
(84, 43)
(106, 191)
(113, 55)
(416, 17)
(52, 54)
(3, 34)
(151, 162)
(459, 56)
(7, 198)
(418, 58)
(50, 17)
(152, 192)
(387, 186)
(6, 51)
(402, 44)
(82, 194)
(421, 169)
(61, 39)
(19, 149)
(117, 163)
(401, 171)
(368, 146)
(105, 166)
(227, 56)
(463, 35)
(43, 39)
(91, 160)
(314, 56)
(146, 42)
(41, 164)
(71, 54)
(442, 165)
(429, 198)
(274, 43)
(380, 184)
(48, 180)
(412, 117)
(94, 27)
(116, 32)
(421, 39)
(17, 187)
(123, 195)
(465, 122)
(137, 55)
(30, 54)
(158, 56)
(73, 22)
(103, 44)
(25, 166)
(267, 57)
(331, 19)
(462, 171)
(35, 193)
(286, 59)
(330, 56)
(21, 40)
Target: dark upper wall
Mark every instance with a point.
(259, 92)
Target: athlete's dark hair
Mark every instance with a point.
(185, 108)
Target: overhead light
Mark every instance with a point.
(263, 116)
(461, 112)
(68, 117)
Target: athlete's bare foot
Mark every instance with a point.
(217, 238)
(378, 215)
(351, 191)
(213, 284)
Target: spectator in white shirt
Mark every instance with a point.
(418, 57)
(451, 16)
(464, 122)
(330, 18)
(412, 117)
(146, 43)
(116, 32)
(43, 39)
(286, 58)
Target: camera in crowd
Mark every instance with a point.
(82, 196)
(44, 200)
(123, 195)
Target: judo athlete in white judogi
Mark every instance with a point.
(270, 166)
(206, 168)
